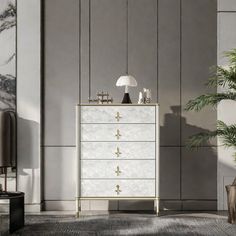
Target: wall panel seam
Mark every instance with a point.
(90, 48)
(180, 102)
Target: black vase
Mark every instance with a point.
(126, 98)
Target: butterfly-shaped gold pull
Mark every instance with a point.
(118, 172)
(118, 117)
(118, 153)
(118, 135)
(118, 191)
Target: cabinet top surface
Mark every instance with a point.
(117, 104)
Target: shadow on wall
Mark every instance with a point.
(186, 174)
(28, 162)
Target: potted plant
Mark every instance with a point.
(224, 77)
(7, 80)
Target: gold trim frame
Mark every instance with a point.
(79, 198)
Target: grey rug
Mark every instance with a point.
(125, 224)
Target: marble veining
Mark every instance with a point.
(118, 150)
(128, 114)
(118, 169)
(107, 188)
(109, 132)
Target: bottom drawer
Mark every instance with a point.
(118, 188)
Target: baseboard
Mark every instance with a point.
(200, 205)
(29, 207)
(37, 207)
(104, 205)
(170, 205)
(59, 205)
(188, 205)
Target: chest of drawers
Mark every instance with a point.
(117, 153)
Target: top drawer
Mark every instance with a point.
(118, 114)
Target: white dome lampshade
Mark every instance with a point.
(127, 81)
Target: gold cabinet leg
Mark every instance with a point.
(156, 206)
(77, 214)
(78, 208)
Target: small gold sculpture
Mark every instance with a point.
(102, 97)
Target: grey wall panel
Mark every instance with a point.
(169, 71)
(108, 46)
(61, 70)
(198, 54)
(204, 205)
(59, 173)
(84, 47)
(226, 36)
(184, 175)
(135, 205)
(29, 101)
(226, 5)
(199, 30)
(142, 47)
(170, 173)
(199, 173)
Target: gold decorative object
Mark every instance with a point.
(118, 191)
(118, 172)
(118, 117)
(118, 135)
(102, 97)
(118, 153)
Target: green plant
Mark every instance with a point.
(224, 77)
(8, 18)
(7, 81)
(7, 21)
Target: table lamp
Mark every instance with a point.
(127, 81)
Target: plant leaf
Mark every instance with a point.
(199, 139)
(208, 99)
(231, 55)
(223, 77)
(227, 133)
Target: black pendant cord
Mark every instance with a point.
(80, 90)
(127, 37)
(89, 49)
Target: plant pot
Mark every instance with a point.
(231, 200)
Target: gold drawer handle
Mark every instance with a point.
(118, 153)
(118, 117)
(118, 191)
(118, 135)
(118, 172)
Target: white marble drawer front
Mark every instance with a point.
(118, 150)
(118, 114)
(117, 132)
(121, 169)
(117, 188)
